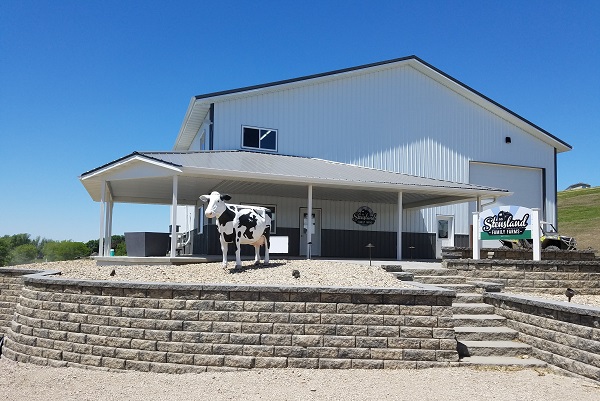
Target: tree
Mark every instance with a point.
(23, 254)
(93, 245)
(5, 251)
(65, 250)
(19, 239)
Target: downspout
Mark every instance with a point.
(555, 190)
(211, 128)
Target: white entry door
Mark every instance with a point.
(444, 235)
(315, 226)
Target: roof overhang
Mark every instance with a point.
(148, 178)
(199, 106)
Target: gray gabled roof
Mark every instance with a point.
(199, 106)
(247, 172)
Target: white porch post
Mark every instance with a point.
(399, 234)
(309, 223)
(476, 240)
(108, 231)
(108, 219)
(535, 234)
(174, 218)
(102, 215)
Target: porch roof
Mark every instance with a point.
(146, 177)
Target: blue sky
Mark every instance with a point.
(86, 82)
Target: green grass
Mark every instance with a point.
(579, 216)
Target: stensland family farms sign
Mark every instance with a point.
(505, 222)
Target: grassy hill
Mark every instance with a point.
(579, 216)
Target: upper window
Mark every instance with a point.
(259, 138)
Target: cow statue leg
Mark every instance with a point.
(224, 251)
(238, 258)
(257, 254)
(267, 243)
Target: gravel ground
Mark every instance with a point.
(36, 383)
(277, 272)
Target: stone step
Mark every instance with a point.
(469, 297)
(493, 348)
(498, 333)
(478, 320)
(430, 271)
(440, 279)
(459, 288)
(502, 361)
(459, 308)
(403, 276)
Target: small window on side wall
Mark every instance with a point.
(259, 138)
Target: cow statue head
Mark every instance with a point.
(216, 204)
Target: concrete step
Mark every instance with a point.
(459, 308)
(430, 271)
(498, 333)
(493, 348)
(440, 279)
(469, 297)
(478, 320)
(459, 288)
(502, 361)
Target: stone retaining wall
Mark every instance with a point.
(552, 277)
(562, 334)
(11, 282)
(517, 254)
(188, 328)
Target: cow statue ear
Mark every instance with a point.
(204, 198)
(225, 197)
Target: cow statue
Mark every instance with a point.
(239, 224)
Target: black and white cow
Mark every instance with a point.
(239, 224)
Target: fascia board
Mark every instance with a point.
(123, 163)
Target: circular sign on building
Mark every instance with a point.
(364, 216)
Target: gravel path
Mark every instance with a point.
(35, 383)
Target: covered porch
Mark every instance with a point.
(179, 178)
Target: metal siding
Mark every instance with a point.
(396, 119)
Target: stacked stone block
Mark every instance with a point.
(518, 254)
(11, 282)
(552, 277)
(563, 335)
(189, 328)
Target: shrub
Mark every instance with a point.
(22, 254)
(65, 250)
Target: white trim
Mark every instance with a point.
(127, 161)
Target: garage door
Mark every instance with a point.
(526, 183)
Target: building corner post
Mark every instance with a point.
(174, 218)
(399, 234)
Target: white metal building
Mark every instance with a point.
(400, 138)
